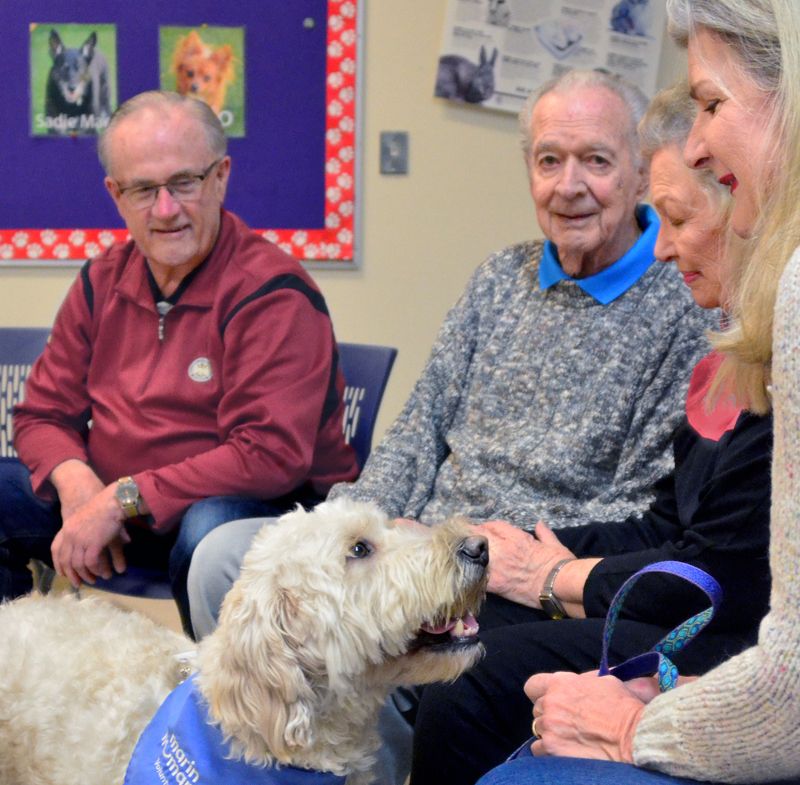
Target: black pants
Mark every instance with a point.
(464, 729)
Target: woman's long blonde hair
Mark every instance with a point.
(764, 36)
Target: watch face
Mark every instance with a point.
(127, 494)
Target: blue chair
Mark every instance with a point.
(19, 348)
(366, 370)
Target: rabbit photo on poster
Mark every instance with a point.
(460, 79)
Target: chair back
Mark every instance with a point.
(366, 370)
(19, 349)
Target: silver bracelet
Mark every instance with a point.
(551, 605)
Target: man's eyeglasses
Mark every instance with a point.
(182, 187)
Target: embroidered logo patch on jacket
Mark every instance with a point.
(200, 370)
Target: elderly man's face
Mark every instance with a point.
(585, 177)
(149, 148)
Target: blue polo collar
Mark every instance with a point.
(616, 279)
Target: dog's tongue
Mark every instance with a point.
(457, 627)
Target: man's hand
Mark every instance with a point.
(76, 484)
(88, 537)
(520, 562)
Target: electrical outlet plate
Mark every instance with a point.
(394, 152)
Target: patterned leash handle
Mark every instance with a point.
(657, 662)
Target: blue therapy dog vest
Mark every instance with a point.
(181, 747)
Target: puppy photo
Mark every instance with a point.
(333, 609)
(203, 71)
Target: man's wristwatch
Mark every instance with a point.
(127, 494)
(551, 605)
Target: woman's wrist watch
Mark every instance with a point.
(551, 605)
(127, 494)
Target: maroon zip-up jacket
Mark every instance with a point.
(235, 390)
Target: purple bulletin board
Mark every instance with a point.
(293, 174)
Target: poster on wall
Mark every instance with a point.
(207, 63)
(73, 78)
(496, 52)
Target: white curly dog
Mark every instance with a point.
(334, 608)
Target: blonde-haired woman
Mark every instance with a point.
(740, 723)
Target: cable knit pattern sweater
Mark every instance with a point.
(741, 721)
(542, 403)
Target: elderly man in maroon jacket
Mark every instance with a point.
(191, 377)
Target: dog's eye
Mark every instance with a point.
(360, 550)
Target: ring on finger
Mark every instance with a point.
(533, 729)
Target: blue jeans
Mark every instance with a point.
(29, 524)
(528, 770)
(201, 519)
(27, 527)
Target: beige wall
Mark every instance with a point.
(422, 234)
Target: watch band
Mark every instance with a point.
(551, 605)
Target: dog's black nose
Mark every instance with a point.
(475, 549)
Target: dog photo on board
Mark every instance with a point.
(73, 70)
(207, 63)
(333, 609)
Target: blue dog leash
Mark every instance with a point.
(654, 662)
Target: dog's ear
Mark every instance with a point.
(193, 44)
(223, 56)
(56, 47)
(87, 50)
(253, 679)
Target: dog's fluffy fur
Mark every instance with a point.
(333, 609)
(203, 71)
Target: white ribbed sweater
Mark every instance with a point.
(741, 722)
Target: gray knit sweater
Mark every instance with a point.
(741, 721)
(541, 404)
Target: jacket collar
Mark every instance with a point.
(135, 281)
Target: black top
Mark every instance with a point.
(712, 512)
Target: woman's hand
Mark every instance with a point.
(519, 562)
(646, 688)
(583, 716)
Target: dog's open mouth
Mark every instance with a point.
(456, 631)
